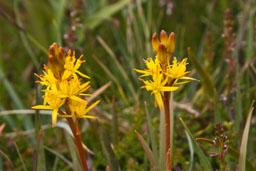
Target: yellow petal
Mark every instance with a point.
(66, 74)
(42, 107)
(169, 88)
(66, 116)
(77, 99)
(54, 117)
(92, 106)
(183, 82)
(189, 78)
(63, 96)
(158, 98)
(88, 116)
(82, 94)
(83, 75)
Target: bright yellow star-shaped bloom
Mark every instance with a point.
(71, 66)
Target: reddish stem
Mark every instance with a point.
(167, 131)
(78, 140)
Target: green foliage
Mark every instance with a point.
(115, 37)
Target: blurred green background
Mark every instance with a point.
(115, 37)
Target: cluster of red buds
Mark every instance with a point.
(229, 37)
(70, 35)
(220, 141)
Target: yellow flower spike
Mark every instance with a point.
(155, 42)
(164, 75)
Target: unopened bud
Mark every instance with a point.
(164, 38)
(56, 60)
(61, 56)
(155, 42)
(171, 41)
(162, 54)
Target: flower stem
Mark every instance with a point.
(167, 131)
(77, 137)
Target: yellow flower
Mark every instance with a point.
(63, 85)
(47, 79)
(164, 76)
(157, 86)
(177, 71)
(54, 102)
(153, 67)
(71, 66)
(72, 88)
(79, 109)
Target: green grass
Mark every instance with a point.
(115, 37)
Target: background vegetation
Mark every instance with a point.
(115, 37)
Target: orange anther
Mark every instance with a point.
(81, 57)
(83, 61)
(69, 52)
(45, 67)
(37, 75)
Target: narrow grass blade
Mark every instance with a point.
(191, 148)
(99, 91)
(243, 148)
(15, 98)
(113, 78)
(7, 158)
(204, 76)
(58, 155)
(147, 151)
(56, 161)
(120, 67)
(21, 159)
(73, 152)
(2, 128)
(108, 152)
(203, 159)
(38, 154)
(162, 143)
(115, 125)
(23, 36)
(105, 13)
(60, 11)
(11, 91)
(152, 135)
